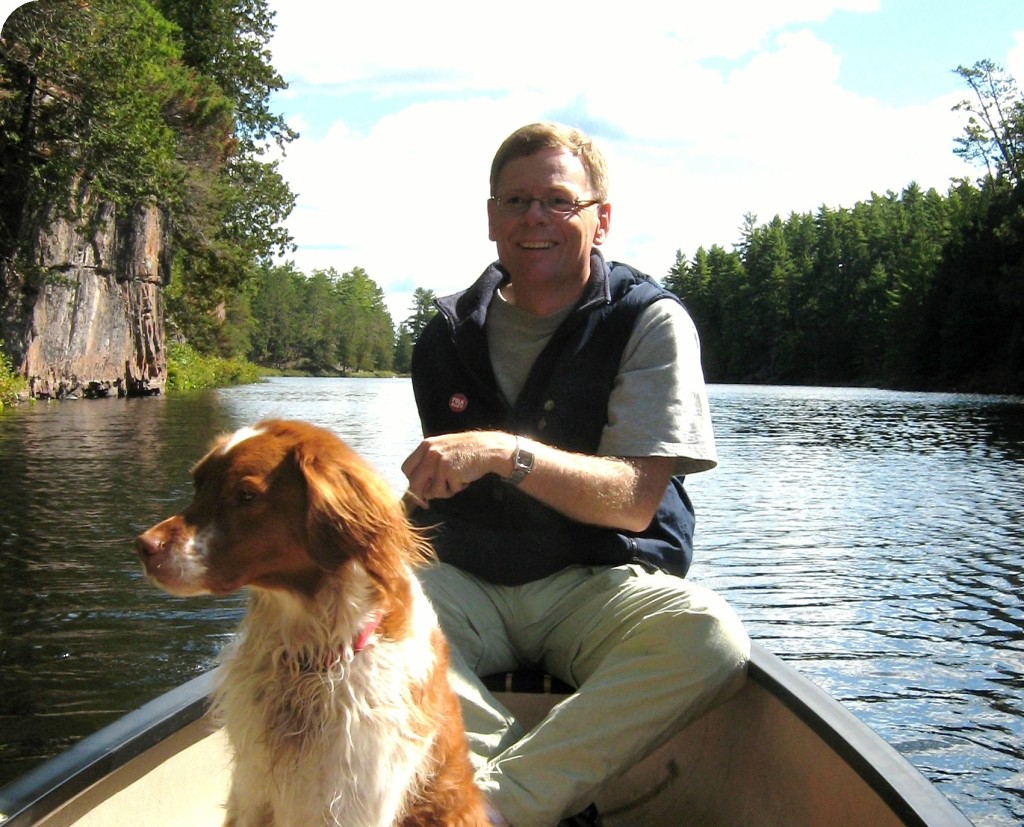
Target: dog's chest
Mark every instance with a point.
(349, 735)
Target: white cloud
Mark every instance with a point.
(530, 44)
(704, 114)
(1015, 58)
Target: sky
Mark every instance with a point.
(705, 111)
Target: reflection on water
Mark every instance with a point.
(873, 540)
(81, 640)
(870, 538)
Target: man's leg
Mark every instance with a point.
(650, 652)
(478, 645)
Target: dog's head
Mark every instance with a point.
(280, 505)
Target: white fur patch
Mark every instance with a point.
(335, 745)
(242, 434)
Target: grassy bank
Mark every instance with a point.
(11, 385)
(188, 370)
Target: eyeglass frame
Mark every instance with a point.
(576, 204)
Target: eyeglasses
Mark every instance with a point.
(552, 204)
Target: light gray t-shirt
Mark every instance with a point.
(658, 405)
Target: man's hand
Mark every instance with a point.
(442, 466)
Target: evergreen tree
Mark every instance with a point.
(86, 120)
(277, 308)
(423, 310)
(994, 134)
(237, 200)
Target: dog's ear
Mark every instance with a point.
(350, 511)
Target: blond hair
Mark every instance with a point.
(537, 136)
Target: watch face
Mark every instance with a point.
(522, 464)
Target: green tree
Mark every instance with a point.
(277, 303)
(907, 289)
(367, 339)
(84, 119)
(238, 201)
(994, 134)
(227, 42)
(322, 340)
(423, 310)
(402, 362)
(713, 287)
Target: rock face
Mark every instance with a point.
(89, 320)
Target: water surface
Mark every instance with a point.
(870, 538)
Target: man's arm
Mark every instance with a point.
(621, 493)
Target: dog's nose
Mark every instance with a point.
(147, 546)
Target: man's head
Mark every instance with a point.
(537, 136)
(547, 210)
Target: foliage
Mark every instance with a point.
(326, 323)
(409, 331)
(914, 289)
(126, 101)
(423, 311)
(83, 118)
(994, 134)
(227, 42)
(189, 370)
(237, 201)
(12, 386)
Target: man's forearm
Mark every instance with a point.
(620, 493)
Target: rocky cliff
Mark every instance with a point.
(88, 319)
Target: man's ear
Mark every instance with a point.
(604, 223)
(491, 207)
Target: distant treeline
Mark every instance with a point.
(325, 323)
(910, 290)
(916, 290)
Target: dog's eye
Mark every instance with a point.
(248, 489)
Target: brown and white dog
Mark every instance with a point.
(335, 695)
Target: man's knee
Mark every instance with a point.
(705, 650)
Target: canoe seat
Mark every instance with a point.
(528, 682)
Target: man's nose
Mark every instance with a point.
(536, 210)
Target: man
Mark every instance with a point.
(562, 401)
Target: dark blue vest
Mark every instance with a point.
(491, 528)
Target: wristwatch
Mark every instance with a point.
(522, 464)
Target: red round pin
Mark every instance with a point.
(458, 402)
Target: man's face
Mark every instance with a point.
(544, 251)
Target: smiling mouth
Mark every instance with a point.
(536, 245)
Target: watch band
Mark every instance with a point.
(522, 464)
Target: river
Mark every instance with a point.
(872, 539)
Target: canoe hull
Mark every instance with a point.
(780, 752)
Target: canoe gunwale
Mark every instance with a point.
(911, 796)
(44, 789)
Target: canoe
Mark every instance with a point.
(780, 752)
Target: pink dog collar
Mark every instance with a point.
(363, 638)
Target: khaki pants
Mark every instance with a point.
(649, 651)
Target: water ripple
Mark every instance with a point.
(872, 539)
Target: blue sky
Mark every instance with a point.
(903, 53)
(706, 111)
